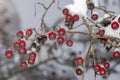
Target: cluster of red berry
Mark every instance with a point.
(69, 18)
(79, 62)
(101, 68)
(60, 39)
(20, 44)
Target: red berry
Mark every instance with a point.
(16, 45)
(75, 17)
(97, 67)
(31, 61)
(69, 43)
(22, 51)
(9, 53)
(113, 17)
(103, 40)
(65, 11)
(23, 65)
(106, 64)
(119, 19)
(115, 25)
(94, 16)
(20, 34)
(29, 32)
(68, 17)
(52, 36)
(61, 31)
(97, 33)
(116, 54)
(22, 43)
(60, 40)
(79, 71)
(32, 55)
(79, 60)
(103, 71)
(101, 32)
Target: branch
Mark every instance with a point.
(42, 25)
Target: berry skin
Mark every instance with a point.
(103, 40)
(69, 43)
(22, 44)
(68, 17)
(29, 32)
(60, 40)
(106, 64)
(22, 51)
(94, 16)
(75, 18)
(119, 19)
(101, 32)
(20, 34)
(113, 17)
(97, 67)
(79, 71)
(61, 31)
(31, 61)
(16, 45)
(52, 36)
(115, 25)
(65, 11)
(9, 53)
(103, 71)
(116, 54)
(32, 55)
(79, 60)
(23, 65)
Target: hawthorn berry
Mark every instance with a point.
(75, 18)
(22, 43)
(32, 55)
(115, 25)
(103, 40)
(116, 54)
(20, 34)
(52, 36)
(61, 31)
(79, 71)
(9, 53)
(69, 43)
(65, 11)
(101, 32)
(97, 67)
(23, 65)
(119, 19)
(102, 71)
(22, 51)
(16, 45)
(106, 64)
(60, 40)
(68, 17)
(29, 32)
(79, 60)
(113, 17)
(94, 16)
(31, 61)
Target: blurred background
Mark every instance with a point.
(19, 14)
